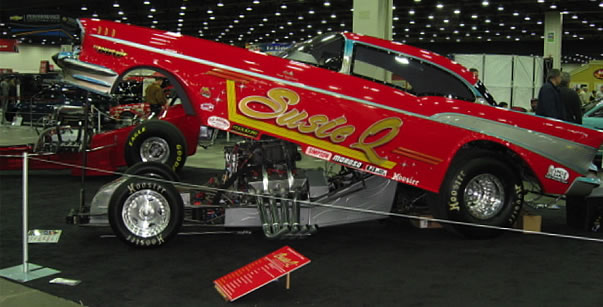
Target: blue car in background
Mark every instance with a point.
(593, 115)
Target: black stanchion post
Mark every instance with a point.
(84, 155)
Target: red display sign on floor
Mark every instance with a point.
(260, 272)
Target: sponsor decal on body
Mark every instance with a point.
(408, 180)
(218, 122)
(244, 131)
(376, 170)
(205, 92)
(347, 161)
(207, 107)
(557, 174)
(318, 153)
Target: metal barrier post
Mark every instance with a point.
(25, 205)
(26, 271)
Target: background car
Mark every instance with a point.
(50, 98)
(593, 115)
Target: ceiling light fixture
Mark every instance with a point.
(485, 3)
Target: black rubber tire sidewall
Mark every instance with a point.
(129, 187)
(161, 129)
(451, 199)
(153, 169)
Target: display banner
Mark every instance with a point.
(259, 273)
(8, 45)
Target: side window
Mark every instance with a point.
(324, 51)
(411, 75)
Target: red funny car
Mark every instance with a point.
(376, 107)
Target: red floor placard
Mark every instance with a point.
(260, 272)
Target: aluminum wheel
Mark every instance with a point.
(154, 149)
(484, 196)
(146, 213)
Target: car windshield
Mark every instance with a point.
(324, 51)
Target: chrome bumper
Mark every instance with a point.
(92, 77)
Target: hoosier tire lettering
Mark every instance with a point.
(453, 205)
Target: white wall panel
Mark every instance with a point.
(512, 79)
(523, 81)
(27, 60)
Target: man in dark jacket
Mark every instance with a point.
(154, 96)
(570, 99)
(549, 99)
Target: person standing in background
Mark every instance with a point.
(584, 95)
(570, 100)
(475, 72)
(4, 91)
(154, 96)
(599, 93)
(549, 99)
(533, 104)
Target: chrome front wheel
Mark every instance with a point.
(146, 213)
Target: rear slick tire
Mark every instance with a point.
(480, 190)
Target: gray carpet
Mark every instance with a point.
(368, 264)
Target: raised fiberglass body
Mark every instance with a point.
(380, 106)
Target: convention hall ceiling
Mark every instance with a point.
(447, 26)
